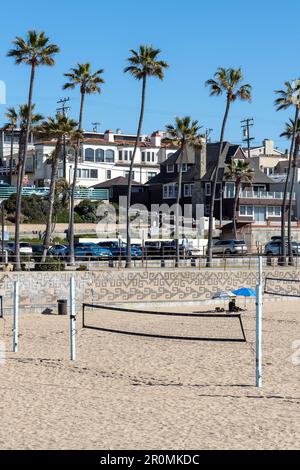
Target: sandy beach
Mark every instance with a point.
(130, 392)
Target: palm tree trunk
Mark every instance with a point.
(129, 186)
(73, 189)
(292, 190)
(236, 198)
(11, 157)
(213, 194)
(179, 184)
(22, 173)
(282, 261)
(54, 170)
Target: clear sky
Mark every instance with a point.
(195, 36)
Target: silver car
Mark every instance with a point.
(273, 248)
(230, 247)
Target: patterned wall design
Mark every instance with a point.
(39, 291)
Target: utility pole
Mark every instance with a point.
(246, 124)
(95, 126)
(63, 110)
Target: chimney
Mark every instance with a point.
(268, 147)
(156, 139)
(109, 136)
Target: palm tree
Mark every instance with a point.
(144, 63)
(240, 172)
(228, 81)
(55, 128)
(12, 117)
(184, 134)
(288, 97)
(288, 133)
(35, 50)
(89, 83)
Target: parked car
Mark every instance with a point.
(120, 251)
(229, 247)
(25, 248)
(58, 251)
(91, 251)
(273, 248)
(165, 249)
(37, 251)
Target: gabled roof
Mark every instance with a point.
(119, 181)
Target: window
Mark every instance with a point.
(120, 155)
(170, 168)
(186, 190)
(191, 189)
(148, 156)
(109, 156)
(170, 191)
(229, 190)
(99, 155)
(126, 155)
(274, 211)
(130, 155)
(89, 155)
(108, 174)
(94, 174)
(126, 174)
(207, 189)
(151, 174)
(143, 156)
(184, 168)
(246, 210)
(153, 157)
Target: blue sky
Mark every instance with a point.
(195, 36)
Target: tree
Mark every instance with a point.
(55, 128)
(240, 172)
(89, 83)
(144, 63)
(35, 50)
(288, 133)
(12, 117)
(228, 81)
(288, 97)
(184, 134)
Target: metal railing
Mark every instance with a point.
(80, 193)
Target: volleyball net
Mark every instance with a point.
(211, 326)
(282, 287)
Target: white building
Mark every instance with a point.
(104, 157)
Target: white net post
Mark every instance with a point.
(16, 317)
(72, 320)
(259, 312)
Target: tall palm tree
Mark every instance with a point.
(288, 97)
(12, 117)
(240, 172)
(184, 134)
(89, 83)
(288, 133)
(55, 128)
(228, 81)
(144, 63)
(35, 50)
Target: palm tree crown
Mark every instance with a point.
(229, 81)
(82, 75)
(185, 131)
(289, 129)
(290, 96)
(239, 171)
(34, 50)
(144, 63)
(12, 117)
(59, 127)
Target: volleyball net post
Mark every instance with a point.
(16, 317)
(259, 314)
(72, 320)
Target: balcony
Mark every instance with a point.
(263, 195)
(80, 193)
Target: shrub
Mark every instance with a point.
(50, 265)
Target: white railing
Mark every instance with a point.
(262, 195)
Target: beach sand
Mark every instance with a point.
(130, 392)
